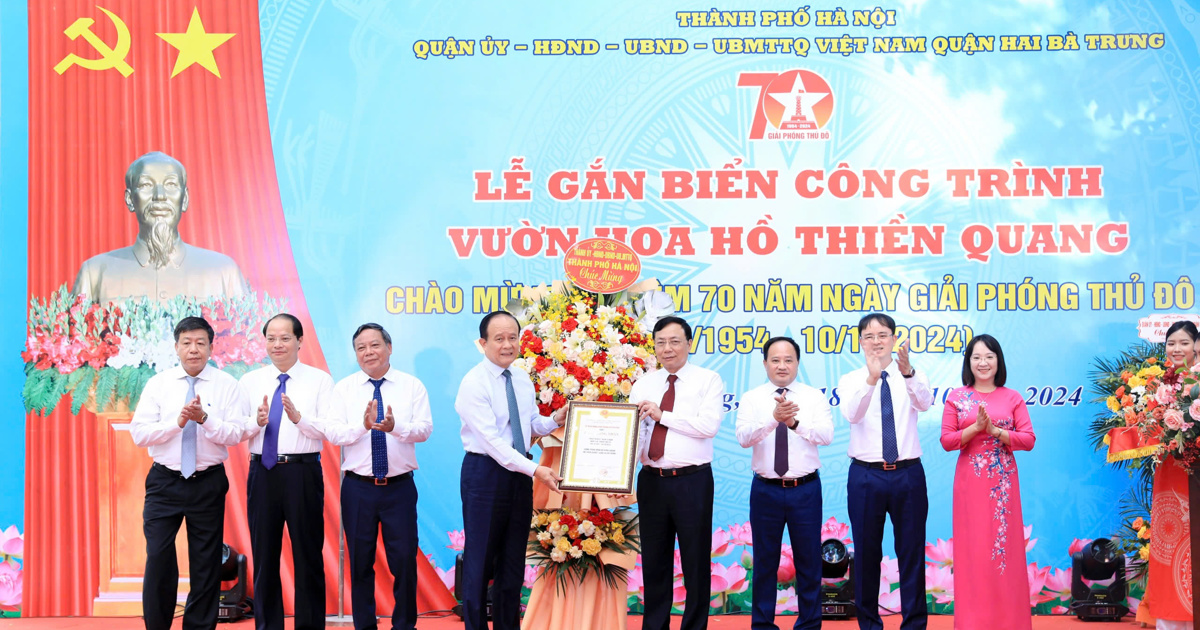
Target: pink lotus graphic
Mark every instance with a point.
(531, 576)
(635, 587)
(889, 602)
(939, 582)
(678, 594)
(726, 581)
(447, 577)
(787, 567)
(12, 543)
(1077, 545)
(1037, 581)
(940, 554)
(1028, 542)
(1058, 585)
(889, 573)
(785, 601)
(722, 544)
(457, 540)
(10, 586)
(741, 534)
(834, 529)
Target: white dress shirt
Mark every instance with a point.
(756, 426)
(482, 404)
(694, 421)
(410, 407)
(311, 391)
(155, 423)
(910, 396)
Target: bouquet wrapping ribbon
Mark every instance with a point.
(1126, 443)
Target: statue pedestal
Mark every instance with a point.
(121, 469)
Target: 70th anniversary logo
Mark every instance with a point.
(797, 103)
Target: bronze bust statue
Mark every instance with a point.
(159, 265)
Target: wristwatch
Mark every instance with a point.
(204, 418)
(911, 374)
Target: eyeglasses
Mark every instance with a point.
(874, 338)
(670, 343)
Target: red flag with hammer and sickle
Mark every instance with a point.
(109, 82)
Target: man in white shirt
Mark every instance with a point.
(286, 403)
(681, 407)
(186, 418)
(500, 419)
(881, 401)
(784, 421)
(379, 413)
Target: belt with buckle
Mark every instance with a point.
(379, 481)
(676, 472)
(300, 458)
(790, 483)
(904, 463)
(196, 475)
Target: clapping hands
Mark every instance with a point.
(785, 410)
(372, 414)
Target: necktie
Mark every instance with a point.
(379, 459)
(270, 446)
(781, 443)
(890, 451)
(187, 456)
(658, 437)
(514, 415)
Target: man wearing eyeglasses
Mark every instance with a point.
(681, 407)
(881, 401)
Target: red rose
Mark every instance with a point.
(605, 398)
(544, 409)
(600, 358)
(570, 324)
(541, 363)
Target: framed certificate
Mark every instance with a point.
(599, 447)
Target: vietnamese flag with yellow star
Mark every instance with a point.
(108, 83)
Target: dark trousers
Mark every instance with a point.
(170, 499)
(873, 495)
(670, 507)
(366, 509)
(772, 507)
(497, 504)
(292, 493)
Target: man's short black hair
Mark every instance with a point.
(297, 327)
(773, 340)
(487, 319)
(188, 324)
(371, 326)
(671, 319)
(883, 319)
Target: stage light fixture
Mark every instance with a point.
(837, 601)
(233, 602)
(458, 608)
(1099, 561)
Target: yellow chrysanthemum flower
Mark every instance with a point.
(563, 544)
(590, 546)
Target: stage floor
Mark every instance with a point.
(733, 622)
